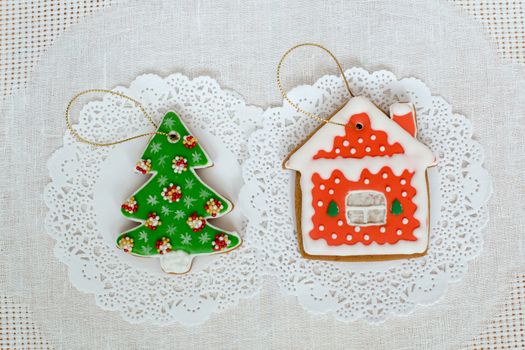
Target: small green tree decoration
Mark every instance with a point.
(174, 205)
(333, 209)
(396, 207)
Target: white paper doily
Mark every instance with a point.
(88, 185)
(459, 189)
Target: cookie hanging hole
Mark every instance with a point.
(359, 126)
(173, 137)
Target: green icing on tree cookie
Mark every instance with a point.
(396, 208)
(174, 205)
(333, 209)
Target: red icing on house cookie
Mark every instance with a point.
(376, 208)
(404, 115)
(360, 140)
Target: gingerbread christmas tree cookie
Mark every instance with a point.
(174, 206)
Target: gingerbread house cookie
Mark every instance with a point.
(361, 189)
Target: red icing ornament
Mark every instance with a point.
(221, 242)
(360, 140)
(213, 207)
(163, 245)
(196, 223)
(337, 230)
(153, 221)
(130, 206)
(126, 244)
(189, 141)
(143, 166)
(179, 164)
(172, 193)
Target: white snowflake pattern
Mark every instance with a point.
(189, 183)
(146, 250)
(162, 159)
(171, 229)
(152, 200)
(155, 147)
(143, 236)
(179, 214)
(185, 238)
(165, 210)
(169, 123)
(196, 157)
(204, 194)
(163, 180)
(204, 238)
(188, 201)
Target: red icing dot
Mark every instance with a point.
(359, 143)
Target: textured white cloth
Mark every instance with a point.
(239, 45)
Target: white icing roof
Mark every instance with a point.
(323, 138)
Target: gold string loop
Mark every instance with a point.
(295, 105)
(98, 144)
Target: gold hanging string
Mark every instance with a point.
(295, 105)
(98, 144)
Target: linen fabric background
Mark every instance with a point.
(239, 44)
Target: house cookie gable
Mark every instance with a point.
(333, 141)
